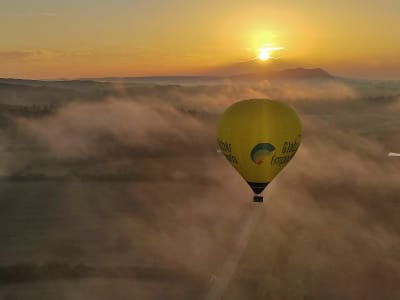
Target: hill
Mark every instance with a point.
(287, 74)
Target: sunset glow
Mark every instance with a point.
(264, 53)
(56, 39)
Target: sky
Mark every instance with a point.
(96, 38)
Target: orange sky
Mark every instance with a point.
(91, 38)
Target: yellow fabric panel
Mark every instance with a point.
(259, 137)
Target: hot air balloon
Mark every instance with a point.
(259, 137)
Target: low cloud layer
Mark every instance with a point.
(91, 129)
(142, 185)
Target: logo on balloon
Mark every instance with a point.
(260, 152)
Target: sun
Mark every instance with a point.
(264, 53)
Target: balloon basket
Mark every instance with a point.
(258, 198)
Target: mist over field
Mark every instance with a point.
(113, 189)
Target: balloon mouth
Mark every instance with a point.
(257, 187)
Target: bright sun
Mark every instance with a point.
(264, 53)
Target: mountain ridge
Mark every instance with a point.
(298, 73)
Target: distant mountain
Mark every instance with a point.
(40, 92)
(251, 66)
(46, 83)
(251, 71)
(250, 74)
(20, 82)
(287, 74)
(163, 80)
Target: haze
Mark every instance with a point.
(116, 190)
(111, 185)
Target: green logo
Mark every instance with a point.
(260, 152)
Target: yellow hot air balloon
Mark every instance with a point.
(259, 137)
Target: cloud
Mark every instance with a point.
(40, 55)
(330, 217)
(14, 55)
(144, 121)
(79, 129)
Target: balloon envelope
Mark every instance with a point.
(259, 137)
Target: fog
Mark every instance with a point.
(119, 192)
